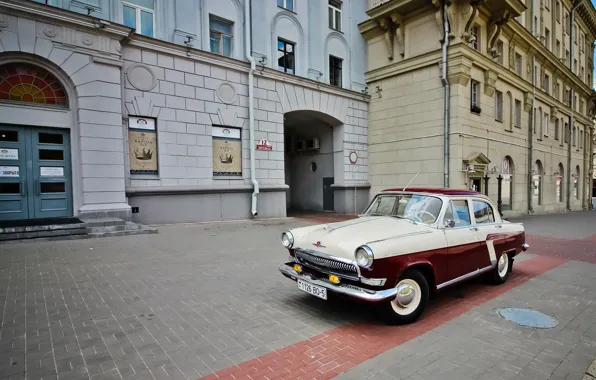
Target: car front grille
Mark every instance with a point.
(327, 265)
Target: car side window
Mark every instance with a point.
(459, 212)
(483, 212)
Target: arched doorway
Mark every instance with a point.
(507, 184)
(309, 160)
(537, 183)
(559, 183)
(35, 163)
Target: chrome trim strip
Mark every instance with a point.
(330, 271)
(465, 276)
(351, 291)
(331, 257)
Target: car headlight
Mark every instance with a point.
(364, 257)
(287, 239)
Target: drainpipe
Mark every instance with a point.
(576, 4)
(251, 118)
(446, 121)
(531, 123)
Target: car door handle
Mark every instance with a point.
(473, 228)
(498, 226)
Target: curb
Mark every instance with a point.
(591, 372)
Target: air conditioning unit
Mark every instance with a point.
(300, 145)
(312, 144)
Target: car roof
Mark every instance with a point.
(437, 191)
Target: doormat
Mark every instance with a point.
(38, 222)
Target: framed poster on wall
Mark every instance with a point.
(227, 151)
(142, 145)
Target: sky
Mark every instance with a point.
(594, 76)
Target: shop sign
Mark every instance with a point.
(48, 171)
(9, 154)
(9, 171)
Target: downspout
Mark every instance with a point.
(576, 4)
(446, 121)
(531, 122)
(251, 116)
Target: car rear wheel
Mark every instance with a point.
(502, 269)
(411, 300)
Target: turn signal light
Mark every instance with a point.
(333, 279)
(298, 268)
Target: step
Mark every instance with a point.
(24, 233)
(141, 230)
(103, 222)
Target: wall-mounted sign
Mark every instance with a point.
(264, 145)
(9, 154)
(142, 150)
(9, 171)
(353, 157)
(227, 151)
(51, 171)
(141, 123)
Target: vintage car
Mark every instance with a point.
(405, 246)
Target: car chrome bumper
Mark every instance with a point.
(525, 247)
(350, 291)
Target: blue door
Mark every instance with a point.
(35, 173)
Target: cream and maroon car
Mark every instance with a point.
(405, 246)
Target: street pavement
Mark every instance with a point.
(206, 301)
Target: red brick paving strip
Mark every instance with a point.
(329, 354)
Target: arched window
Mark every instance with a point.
(507, 184)
(537, 183)
(23, 82)
(559, 182)
(576, 183)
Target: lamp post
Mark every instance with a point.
(499, 191)
(486, 178)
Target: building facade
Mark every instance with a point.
(151, 110)
(467, 94)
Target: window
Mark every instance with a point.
(499, 106)
(483, 212)
(459, 212)
(537, 184)
(567, 59)
(507, 184)
(581, 139)
(558, 11)
(545, 125)
(287, 4)
(581, 106)
(335, 71)
(566, 137)
(557, 129)
(558, 49)
(285, 56)
(500, 52)
(335, 14)
(581, 73)
(518, 113)
(566, 96)
(575, 34)
(220, 35)
(559, 183)
(546, 84)
(575, 66)
(574, 136)
(547, 38)
(419, 208)
(139, 15)
(475, 96)
(475, 44)
(534, 121)
(22, 82)
(556, 90)
(566, 23)
(518, 64)
(142, 145)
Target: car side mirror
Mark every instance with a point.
(450, 223)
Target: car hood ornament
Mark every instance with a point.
(318, 244)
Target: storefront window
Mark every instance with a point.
(507, 184)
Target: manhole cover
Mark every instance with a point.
(528, 318)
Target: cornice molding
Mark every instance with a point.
(54, 14)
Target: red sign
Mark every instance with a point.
(264, 145)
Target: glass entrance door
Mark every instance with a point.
(35, 173)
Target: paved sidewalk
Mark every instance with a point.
(199, 300)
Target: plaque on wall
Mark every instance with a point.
(9, 154)
(227, 151)
(51, 171)
(9, 171)
(143, 152)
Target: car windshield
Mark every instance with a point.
(419, 208)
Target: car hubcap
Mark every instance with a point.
(408, 297)
(503, 265)
(405, 294)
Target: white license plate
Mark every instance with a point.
(317, 291)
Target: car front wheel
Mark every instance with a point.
(411, 300)
(502, 269)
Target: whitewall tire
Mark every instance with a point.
(411, 300)
(502, 269)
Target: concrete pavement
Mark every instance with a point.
(201, 300)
